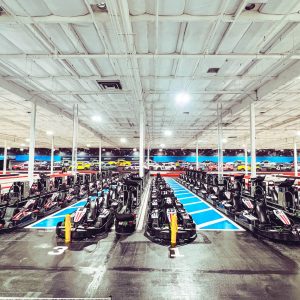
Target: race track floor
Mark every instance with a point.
(217, 265)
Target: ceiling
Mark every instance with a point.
(52, 52)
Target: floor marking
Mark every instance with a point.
(210, 223)
(214, 209)
(200, 211)
(174, 252)
(142, 214)
(184, 193)
(187, 197)
(192, 203)
(53, 215)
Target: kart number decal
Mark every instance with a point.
(58, 250)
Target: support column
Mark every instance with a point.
(252, 139)
(100, 156)
(197, 156)
(220, 143)
(75, 138)
(246, 160)
(52, 155)
(295, 159)
(5, 158)
(142, 150)
(32, 144)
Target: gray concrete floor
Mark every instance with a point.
(218, 265)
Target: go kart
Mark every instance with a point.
(94, 218)
(162, 206)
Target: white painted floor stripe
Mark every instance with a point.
(199, 226)
(186, 198)
(200, 211)
(192, 203)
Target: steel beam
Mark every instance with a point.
(253, 140)
(103, 17)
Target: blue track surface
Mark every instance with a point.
(204, 215)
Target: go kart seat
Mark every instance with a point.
(261, 211)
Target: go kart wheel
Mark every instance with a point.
(58, 230)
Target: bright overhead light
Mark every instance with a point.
(134, 149)
(27, 140)
(298, 132)
(88, 145)
(49, 132)
(168, 132)
(182, 98)
(123, 140)
(160, 150)
(8, 148)
(162, 145)
(96, 118)
(21, 149)
(224, 140)
(22, 145)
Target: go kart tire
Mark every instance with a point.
(58, 230)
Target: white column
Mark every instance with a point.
(252, 138)
(75, 138)
(142, 150)
(5, 158)
(295, 159)
(246, 160)
(220, 143)
(32, 144)
(197, 156)
(52, 155)
(100, 155)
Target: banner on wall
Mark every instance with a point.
(161, 158)
(192, 159)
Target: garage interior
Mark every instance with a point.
(114, 103)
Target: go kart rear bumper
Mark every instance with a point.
(163, 236)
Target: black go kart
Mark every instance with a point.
(252, 213)
(23, 216)
(95, 218)
(163, 204)
(125, 217)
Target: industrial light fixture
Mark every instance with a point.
(88, 145)
(224, 140)
(96, 118)
(134, 149)
(22, 145)
(182, 98)
(27, 140)
(168, 133)
(160, 150)
(123, 140)
(8, 148)
(21, 149)
(162, 145)
(101, 5)
(250, 6)
(49, 132)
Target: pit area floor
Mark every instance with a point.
(217, 265)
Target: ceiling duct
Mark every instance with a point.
(109, 85)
